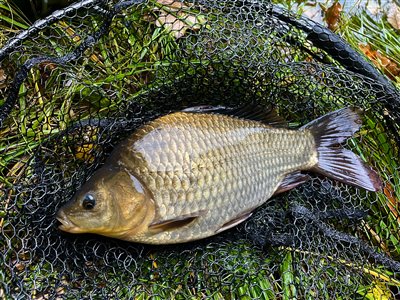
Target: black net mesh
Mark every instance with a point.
(79, 81)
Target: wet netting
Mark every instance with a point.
(81, 80)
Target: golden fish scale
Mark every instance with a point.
(214, 165)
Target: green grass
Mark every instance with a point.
(361, 28)
(12, 20)
(382, 227)
(379, 146)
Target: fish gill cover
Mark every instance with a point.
(76, 83)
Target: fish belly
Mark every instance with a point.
(217, 168)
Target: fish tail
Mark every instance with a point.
(336, 162)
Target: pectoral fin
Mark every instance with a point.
(239, 219)
(180, 221)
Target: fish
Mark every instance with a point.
(194, 173)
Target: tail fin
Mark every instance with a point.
(336, 162)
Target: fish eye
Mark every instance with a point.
(88, 202)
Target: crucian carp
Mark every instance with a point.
(192, 174)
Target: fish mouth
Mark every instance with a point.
(66, 224)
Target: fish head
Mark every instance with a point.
(112, 203)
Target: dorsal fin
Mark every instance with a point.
(255, 112)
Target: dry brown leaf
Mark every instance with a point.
(366, 49)
(393, 203)
(389, 67)
(332, 16)
(175, 16)
(393, 15)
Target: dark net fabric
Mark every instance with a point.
(78, 82)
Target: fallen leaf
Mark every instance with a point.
(84, 152)
(389, 67)
(393, 15)
(366, 49)
(332, 15)
(378, 290)
(393, 203)
(176, 17)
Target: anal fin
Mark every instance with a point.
(291, 181)
(239, 219)
(170, 224)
